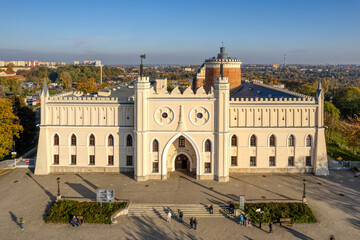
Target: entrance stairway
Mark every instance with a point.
(189, 210)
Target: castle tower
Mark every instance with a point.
(232, 70)
(42, 158)
(320, 159)
(221, 93)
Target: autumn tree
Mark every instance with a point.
(9, 127)
(65, 80)
(351, 130)
(87, 85)
(10, 67)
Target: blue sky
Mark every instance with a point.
(181, 32)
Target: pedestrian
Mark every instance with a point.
(78, 221)
(191, 222)
(181, 214)
(245, 220)
(211, 209)
(332, 237)
(195, 223)
(169, 216)
(22, 221)
(73, 221)
(270, 227)
(241, 219)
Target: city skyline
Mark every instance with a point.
(186, 32)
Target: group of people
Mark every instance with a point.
(193, 221)
(244, 220)
(75, 221)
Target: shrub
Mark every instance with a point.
(298, 212)
(93, 212)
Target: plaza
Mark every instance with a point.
(334, 200)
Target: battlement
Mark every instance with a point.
(224, 60)
(306, 100)
(176, 92)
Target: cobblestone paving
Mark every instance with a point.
(335, 201)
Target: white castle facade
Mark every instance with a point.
(147, 130)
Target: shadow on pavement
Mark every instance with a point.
(87, 181)
(83, 191)
(14, 218)
(298, 234)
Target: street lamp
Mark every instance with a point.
(261, 213)
(58, 194)
(304, 193)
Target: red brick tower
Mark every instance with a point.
(231, 69)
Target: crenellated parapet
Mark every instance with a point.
(295, 100)
(177, 93)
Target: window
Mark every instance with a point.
(233, 141)
(308, 141)
(110, 160)
(233, 160)
(253, 161)
(92, 140)
(207, 167)
(253, 141)
(129, 141)
(129, 160)
(56, 140)
(181, 141)
(110, 140)
(207, 146)
(272, 141)
(92, 159)
(272, 161)
(291, 161)
(155, 146)
(56, 159)
(291, 141)
(73, 140)
(308, 161)
(155, 167)
(73, 159)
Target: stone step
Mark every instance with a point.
(161, 210)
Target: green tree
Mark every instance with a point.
(9, 127)
(27, 119)
(348, 101)
(65, 80)
(331, 117)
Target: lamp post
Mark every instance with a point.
(261, 213)
(58, 194)
(304, 192)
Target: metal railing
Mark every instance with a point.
(18, 163)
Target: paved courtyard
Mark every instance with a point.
(335, 201)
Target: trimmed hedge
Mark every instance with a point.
(93, 212)
(298, 212)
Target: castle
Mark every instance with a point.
(218, 126)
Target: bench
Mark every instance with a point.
(285, 222)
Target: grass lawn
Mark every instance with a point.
(93, 212)
(335, 151)
(298, 212)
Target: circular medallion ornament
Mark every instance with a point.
(164, 115)
(199, 116)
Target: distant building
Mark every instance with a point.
(62, 63)
(76, 62)
(275, 66)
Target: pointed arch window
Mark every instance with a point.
(207, 146)
(110, 140)
(129, 142)
(181, 141)
(92, 140)
(73, 140)
(308, 141)
(291, 142)
(56, 140)
(272, 141)
(155, 146)
(253, 141)
(234, 141)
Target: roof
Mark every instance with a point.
(260, 90)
